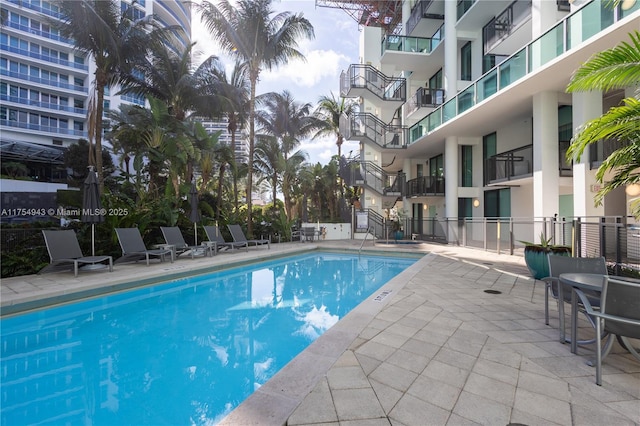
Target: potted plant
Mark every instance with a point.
(397, 216)
(535, 255)
(396, 228)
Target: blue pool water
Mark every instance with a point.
(184, 352)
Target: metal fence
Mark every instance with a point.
(617, 238)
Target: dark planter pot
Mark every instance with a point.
(536, 259)
(398, 235)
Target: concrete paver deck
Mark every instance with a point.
(436, 350)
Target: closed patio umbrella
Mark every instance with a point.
(195, 213)
(91, 205)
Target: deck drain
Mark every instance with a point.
(380, 297)
(493, 291)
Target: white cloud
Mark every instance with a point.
(320, 64)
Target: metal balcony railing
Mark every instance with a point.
(509, 165)
(368, 174)
(418, 12)
(425, 97)
(424, 186)
(367, 77)
(506, 23)
(366, 126)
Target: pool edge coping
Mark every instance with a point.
(275, 401)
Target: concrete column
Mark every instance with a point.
(543, 16)
(545, 154)
(450, 71)
(586, 106)
(451, 171)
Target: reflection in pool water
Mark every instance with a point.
(184, 352)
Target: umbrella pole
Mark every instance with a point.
(93, 239)
(195, 229)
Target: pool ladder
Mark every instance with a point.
(369, 230)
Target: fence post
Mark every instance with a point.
(511, 241)
(618, 229)
(464, 232)
(484, 233)
(603, 236)
(498, 236)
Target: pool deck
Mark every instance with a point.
(431, 347)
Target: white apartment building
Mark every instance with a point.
(463, 107)
(241, 146)
(45, 86)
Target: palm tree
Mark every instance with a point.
(289, 122)
(235, 101)
(115, 40)
(329, 111)
(615, 68)
(269, 162)
(249, 33)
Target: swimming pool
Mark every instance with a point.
(185, 352)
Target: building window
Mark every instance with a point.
(435, 82)
(465, 62)
(489, 149)
(467, 166)
(436, 166)
(497, 203)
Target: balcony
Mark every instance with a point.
(509, 165)
(420, 11)
(424, 98)
(600, 151)
(373, 177)
(369, 83)
(568, 34)
(425, 186)
(409, 53)
(367, 127)
(496, 34)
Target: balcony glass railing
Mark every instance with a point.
(396, 43)
(46, 58)
(46, 129)
(568, 33)
(30, 30)
(43, 81)
(46, 105)
(48, 8)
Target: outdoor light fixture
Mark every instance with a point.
(424, 207)
(627, 4)
(633, 190)
(476, 203)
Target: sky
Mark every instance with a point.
(333, 49)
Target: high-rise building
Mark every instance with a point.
(464, 111)
(45, 85)
(241, 143)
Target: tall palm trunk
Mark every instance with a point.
(101, 82)
(252, 115)
(220, 186)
